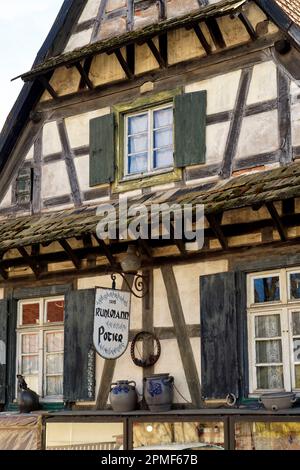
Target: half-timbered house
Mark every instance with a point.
(156, 101)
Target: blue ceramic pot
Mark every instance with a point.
(159, 392)
(123, 396)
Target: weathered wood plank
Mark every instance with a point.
(185, 348)
(236, 123)
(69, 158)
(148, 321)
(284, 116)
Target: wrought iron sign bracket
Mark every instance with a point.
(140, 287)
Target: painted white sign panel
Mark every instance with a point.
(111, 322)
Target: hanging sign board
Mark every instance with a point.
(111, 322)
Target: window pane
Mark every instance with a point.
(267, 436)
(55, 311)
(266, 289)
(199, 435)
(54, 386)
(268, 352)
(163, 117)
(30, 314)
(137, 124)
(55, 342)
(30, 344)
(297, 374)
(138, 163)
(84, 436)
(296, 323)
(138, 144)
(30, 365)
(267, 326)
(54, 363)
(163, 158)
(32, 382)
(296, 349)
(163, 138)
(295, 286)
(270, 378)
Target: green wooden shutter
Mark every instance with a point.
(102, 150)
(79, 356)
(190, 129)
(3, 349)
(223, 335)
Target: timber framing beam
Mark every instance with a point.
(124, 64)
(30, 262)
(46, 84)
(107, 252)
(215, 224)
(157, 54)
(84, 76)
(202, 39)
(71, 254)
(277, 221)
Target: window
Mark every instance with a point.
(149, 142)
(24, 185)
(274, 330)
(40, 345)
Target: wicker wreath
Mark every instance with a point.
(153, 358)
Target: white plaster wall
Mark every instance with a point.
(170, 361)
(263, 85)
(30, 155)
(162, 315)
(216, 138)
(51, 139)
(79, 40)
(295, 109)
(187, 277)
(2, 293)
(90, 10)
(6, 201)
(82, 165)
(55, 180)
(221, 91)
(259, 134)
(78, 127)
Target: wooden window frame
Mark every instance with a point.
(150, 147)
(285, 308)
(41, 329)
(161, 176)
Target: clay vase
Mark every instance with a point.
(123, 396)
(159, 392)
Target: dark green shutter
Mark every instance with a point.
(190, 129)
(79, 356)
(223, 335)
(102, 150)
(3, 349)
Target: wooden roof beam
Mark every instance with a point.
(30, 261)
(215, 224)
(47, 86)
(124, 64)
(73, 257)
(157, 53)
(84, 76)
(281, 229)
(106, 251)
(202, 38)
(146, 248)
(250, 30)
(3, 271)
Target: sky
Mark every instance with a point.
(24, 24)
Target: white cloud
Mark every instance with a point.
(24, 24)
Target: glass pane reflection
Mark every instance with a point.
(267, 436)
(179, 435)
(266, 289)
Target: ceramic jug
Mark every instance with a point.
(123, 396)
(159, 392)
